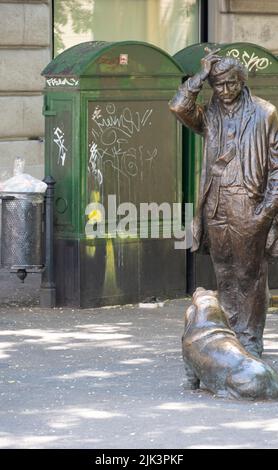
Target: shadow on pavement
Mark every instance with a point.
(113, 378)
(15, 293)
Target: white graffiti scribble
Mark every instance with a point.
(127, 122)
(96, 114)
(62, 81)
(252, 62)
(93, 159)
(113, 143)
(152, 155)
(60, 141)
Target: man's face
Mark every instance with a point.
(227, 87)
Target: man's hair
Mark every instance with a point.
(225, 65)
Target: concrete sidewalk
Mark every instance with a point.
(113, 378)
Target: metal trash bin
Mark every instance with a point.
(21, 231)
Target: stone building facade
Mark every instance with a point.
(26, 32)
(25, 49)
(253, 21)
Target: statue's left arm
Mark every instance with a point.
(270, 202)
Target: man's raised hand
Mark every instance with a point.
(208, 61)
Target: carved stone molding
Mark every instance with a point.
(249, 6)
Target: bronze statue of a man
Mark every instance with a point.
(238, 197)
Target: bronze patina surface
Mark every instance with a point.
(238, 199)
(213, 354)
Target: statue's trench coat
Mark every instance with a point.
(257, 147)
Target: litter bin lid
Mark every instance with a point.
(112, 58)
(257, 59)
(34, 197)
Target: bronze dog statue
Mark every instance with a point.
(214, 356)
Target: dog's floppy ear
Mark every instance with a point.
(189, 314)
(198, 292)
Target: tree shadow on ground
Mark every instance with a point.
(113, 378)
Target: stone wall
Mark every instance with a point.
(244, 21)
(25, 49)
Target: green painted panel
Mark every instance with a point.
(129, 83)
(132, 152)
(192, 164)
(60, 162)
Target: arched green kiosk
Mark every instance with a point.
(109, 133)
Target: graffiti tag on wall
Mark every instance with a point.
(62, 82)
(252, 61)
(115, 140)
(59, 140)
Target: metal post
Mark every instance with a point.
(48, 288)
